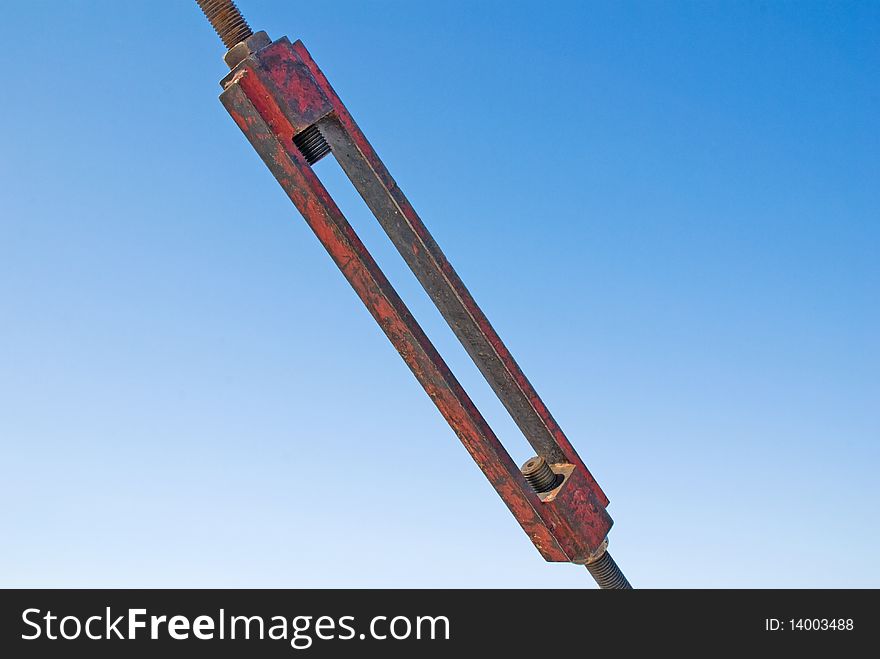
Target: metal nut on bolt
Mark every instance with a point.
(596, 555)
(235, 55)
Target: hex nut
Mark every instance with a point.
(235, 55)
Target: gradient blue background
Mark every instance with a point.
(668, 210)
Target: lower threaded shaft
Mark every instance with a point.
(607, 574)
(227, 21)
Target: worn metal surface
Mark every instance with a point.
(289, 112)
(227, 21)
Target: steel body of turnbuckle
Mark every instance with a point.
(290, 114)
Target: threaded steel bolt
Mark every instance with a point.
(539, 474)
(607, 574)
(227, 21)
(311, 144)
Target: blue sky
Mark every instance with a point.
(669, 211)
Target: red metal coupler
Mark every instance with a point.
(292, 117)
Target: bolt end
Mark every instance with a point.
(539, 474)
(226, 20)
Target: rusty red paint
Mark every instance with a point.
(367, 151)
(279, 92)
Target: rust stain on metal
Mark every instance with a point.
(277, 93)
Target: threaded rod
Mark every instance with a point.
(311, 144)
(539, 474)
(227, 21)
(607, 574)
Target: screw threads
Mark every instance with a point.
(227, 21)
(539, 474)
(311, 144)
(607, 574)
